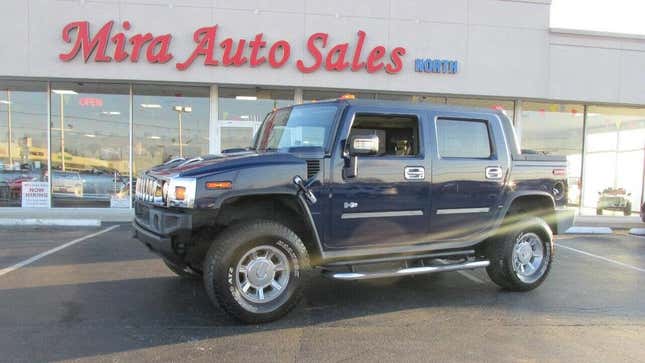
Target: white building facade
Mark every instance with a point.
(93, 92)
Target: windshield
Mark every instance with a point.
(306, 125)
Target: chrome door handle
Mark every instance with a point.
(494, 173)
(414, 173)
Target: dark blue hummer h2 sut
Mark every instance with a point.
(357, 190)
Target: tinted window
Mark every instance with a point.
(463, 139)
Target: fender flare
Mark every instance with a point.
(291, 192)
(512, 197)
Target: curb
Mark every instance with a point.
(637, 231)
(589, 230)
(49, 222)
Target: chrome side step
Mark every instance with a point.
(469, 265)
(401, 258)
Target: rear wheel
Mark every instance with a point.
(521, 259)
(254, 271)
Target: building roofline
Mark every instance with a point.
(595, 33)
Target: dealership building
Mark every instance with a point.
(94, 92)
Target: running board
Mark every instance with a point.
(407, 271)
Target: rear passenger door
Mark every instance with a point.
(470, 163)
(387, 202)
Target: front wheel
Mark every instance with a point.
(254, 271)
(521, 259)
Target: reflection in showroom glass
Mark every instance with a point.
(23, 139)
(89, 140)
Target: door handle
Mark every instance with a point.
(414, 173)
(494, 173)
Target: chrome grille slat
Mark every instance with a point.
(146, 189)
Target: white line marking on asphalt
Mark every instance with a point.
(601, 258)
(31, 260)
(465, 274)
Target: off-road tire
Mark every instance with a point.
(223, 257)
(499, 251)
(186, 272)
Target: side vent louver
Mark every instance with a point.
(313, 167)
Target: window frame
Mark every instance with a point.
(491, 144)
(420, 155)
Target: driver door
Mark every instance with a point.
(387, 201)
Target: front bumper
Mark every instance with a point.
(163, 231)
(161, 245)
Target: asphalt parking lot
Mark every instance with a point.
(106, 298)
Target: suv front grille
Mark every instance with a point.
(149, 189)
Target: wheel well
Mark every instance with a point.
(533, 205)
(285, 209)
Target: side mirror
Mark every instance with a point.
(364, 145)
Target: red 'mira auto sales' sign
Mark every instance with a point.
(106, 46)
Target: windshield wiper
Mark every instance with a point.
(268, 149)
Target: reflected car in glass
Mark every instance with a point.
(614, 199)
(67, 184)
(101, 184)
(11, 185)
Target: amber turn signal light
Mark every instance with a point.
(180, 193)
(219, 185)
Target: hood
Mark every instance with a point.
(210, 164)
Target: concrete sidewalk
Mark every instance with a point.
(614, 222)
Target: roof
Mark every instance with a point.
(425, 106)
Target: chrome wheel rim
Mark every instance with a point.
(262, 274)
(530, 257)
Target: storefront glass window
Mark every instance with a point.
(506, 106)
(90, 145)
(613, 160)
(169, 122)
(411, 98)
(23, 143)
(556, 129)
(320, 95)
(242, 110)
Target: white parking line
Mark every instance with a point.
(601, 258)
(31, 260)
(465, 274)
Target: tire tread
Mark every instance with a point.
(228, 240)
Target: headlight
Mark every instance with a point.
(181, 192)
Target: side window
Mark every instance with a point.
(398, 134)
(463, 138)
